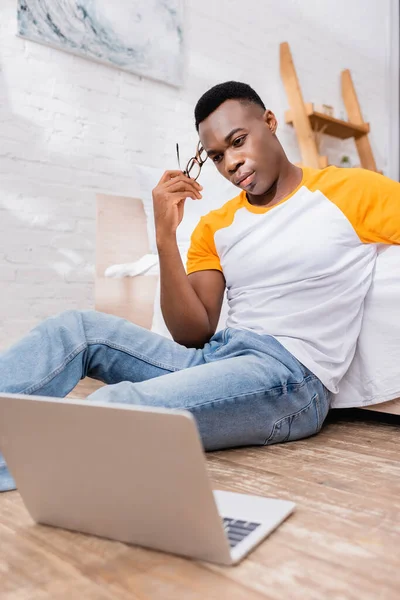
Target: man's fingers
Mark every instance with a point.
(172, 176)
(183, 177)
(178, 195)
(184, 181)
(184, 187)
(169, 175)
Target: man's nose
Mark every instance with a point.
(233, 162)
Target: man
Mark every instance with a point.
(295, 251)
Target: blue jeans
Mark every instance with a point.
(242, 388)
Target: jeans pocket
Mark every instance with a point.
(301, 424)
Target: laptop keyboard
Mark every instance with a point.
(237, 530)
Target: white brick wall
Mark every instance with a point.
(71, 127)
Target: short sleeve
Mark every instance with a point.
(372, 204)
(202, 254)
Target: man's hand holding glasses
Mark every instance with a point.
(171, 192)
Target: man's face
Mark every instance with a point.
(240, 140)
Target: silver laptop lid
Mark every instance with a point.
(135, 474)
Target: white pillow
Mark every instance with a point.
(374, 374)
(145, 265)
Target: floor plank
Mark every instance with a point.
(342, 542)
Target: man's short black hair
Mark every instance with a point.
(215, 96)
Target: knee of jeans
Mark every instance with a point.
(65, 324)
(122, 393)
(68, 317)
(65, 315)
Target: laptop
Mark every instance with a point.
(130, 473)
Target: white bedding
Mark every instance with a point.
(374, 374)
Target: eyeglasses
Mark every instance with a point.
(193, 167)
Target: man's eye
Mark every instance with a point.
(239, 141)
(216, 158)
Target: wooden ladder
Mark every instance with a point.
(309, 123)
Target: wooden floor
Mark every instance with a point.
(343, 541)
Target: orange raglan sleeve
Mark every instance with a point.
(371, 202)
(202, 254)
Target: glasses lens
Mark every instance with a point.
(193, 168)
(201, 154)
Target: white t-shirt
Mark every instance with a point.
(300, 270)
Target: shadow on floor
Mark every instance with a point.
(360, 415)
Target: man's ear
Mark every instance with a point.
(270, 121)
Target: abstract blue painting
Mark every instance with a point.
(141, 36)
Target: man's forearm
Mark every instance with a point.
(183, 311)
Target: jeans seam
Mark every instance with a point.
(267, 391)
(124, 349)
(293, 416)
(92, 342)
(56, 371)
(318, 411)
